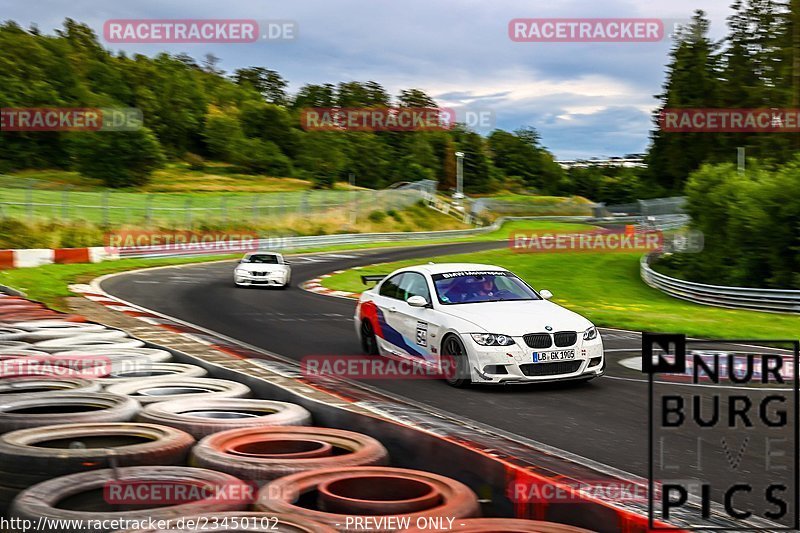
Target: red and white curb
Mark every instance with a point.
(315, 286)
(45, 256)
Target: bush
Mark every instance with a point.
(195, 162)
(376, 216)
(750, 226)
(262, 157)
(222, 135)
(117, 158)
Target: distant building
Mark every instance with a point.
(629, 161)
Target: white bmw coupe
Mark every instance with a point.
(477, 324)
(263, 268)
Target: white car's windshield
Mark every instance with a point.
(473, 287)
(268, 259)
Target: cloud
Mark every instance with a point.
(587, 99)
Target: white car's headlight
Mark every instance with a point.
(492, 339)
(590, 334)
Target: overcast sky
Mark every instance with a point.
(586, 99)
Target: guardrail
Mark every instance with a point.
(772, 300)
(313, 241)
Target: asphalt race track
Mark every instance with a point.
(604, 420)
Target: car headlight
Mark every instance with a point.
(590, 334)
(492, 339)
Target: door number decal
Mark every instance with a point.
(422, 333)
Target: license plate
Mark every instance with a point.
(558, 355)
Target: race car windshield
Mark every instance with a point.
(263, 259)
(475, 287)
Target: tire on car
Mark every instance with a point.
(369, 341)
(166, 389)
(204, 417)
(85, 493)
(46, 409)
(264, 454)
(455, 362)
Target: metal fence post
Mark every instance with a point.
(148, 209)
(188, 215)
(223, 205)
(29, 199)
(255, 207)
(65, 202)
(106, 219)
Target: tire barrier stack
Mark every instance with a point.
(97, 427)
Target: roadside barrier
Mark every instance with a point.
(347, 496)
(773, 300)
(143, 371)
(46, 409)
(179, 388)
(36, 257)
(32, 456)
(201, 418)
(11, 386)
(267, 453)
(225, 493)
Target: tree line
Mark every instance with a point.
(194, 111)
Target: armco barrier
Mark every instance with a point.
(772, 300)
(38, 257)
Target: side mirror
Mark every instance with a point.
(417, 301)
(546, 294)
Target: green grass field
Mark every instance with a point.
(607, 289)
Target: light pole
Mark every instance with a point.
(459, 176)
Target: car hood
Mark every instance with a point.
(518, 318)
(262, 267)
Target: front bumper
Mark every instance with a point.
(275, 280)
(514, 364)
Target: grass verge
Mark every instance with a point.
(607, 289)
